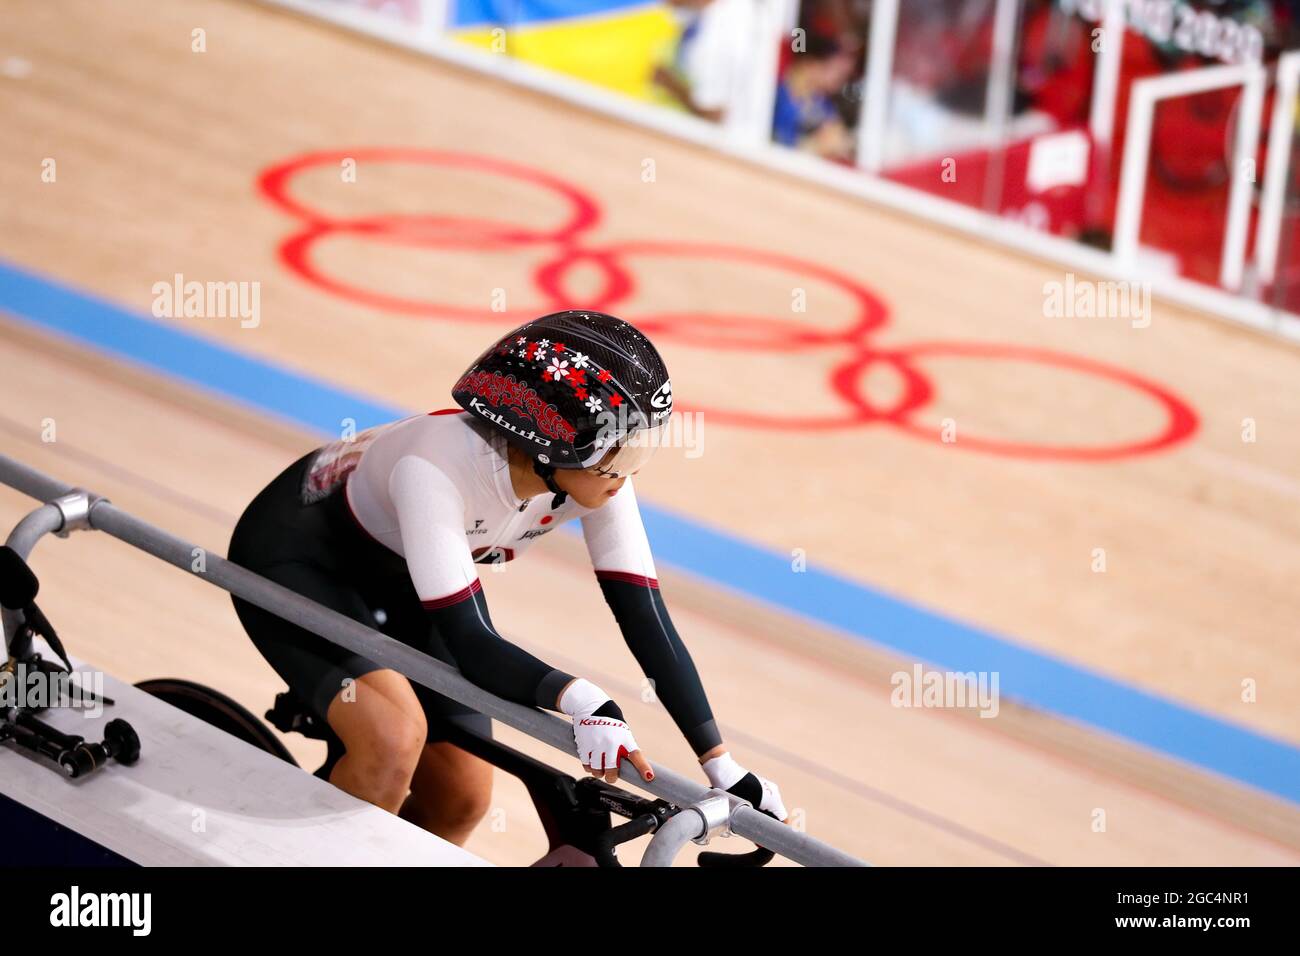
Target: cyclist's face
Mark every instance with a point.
(589, 487)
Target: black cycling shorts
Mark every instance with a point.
(319, 551)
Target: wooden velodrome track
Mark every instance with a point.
(159, 150)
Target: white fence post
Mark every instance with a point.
(873, 122)
(1137, 151)
(1281, 134)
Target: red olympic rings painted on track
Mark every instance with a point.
(701, 329)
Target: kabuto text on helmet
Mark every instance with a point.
(573, 389)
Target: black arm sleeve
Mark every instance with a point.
(490, 661)
(648, 630)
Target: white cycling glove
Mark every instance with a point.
(725, 774)
(600, 733)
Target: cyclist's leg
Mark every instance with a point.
(451, 789)
(314, 549)
(372, 709)
(383, 728)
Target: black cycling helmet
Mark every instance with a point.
(574, 389)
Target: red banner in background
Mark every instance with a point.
(1186, 194)
(1041, 182)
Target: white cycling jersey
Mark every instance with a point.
(436, 489)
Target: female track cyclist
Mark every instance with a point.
(387, 527)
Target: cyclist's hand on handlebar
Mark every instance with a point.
(600, 734)
(725, 774)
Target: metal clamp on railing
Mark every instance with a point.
(716, 810)
(75, 507)
(700, 822)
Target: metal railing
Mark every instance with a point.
(67, 509)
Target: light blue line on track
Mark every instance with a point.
(1028, 676)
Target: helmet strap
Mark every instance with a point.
(547, 474)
